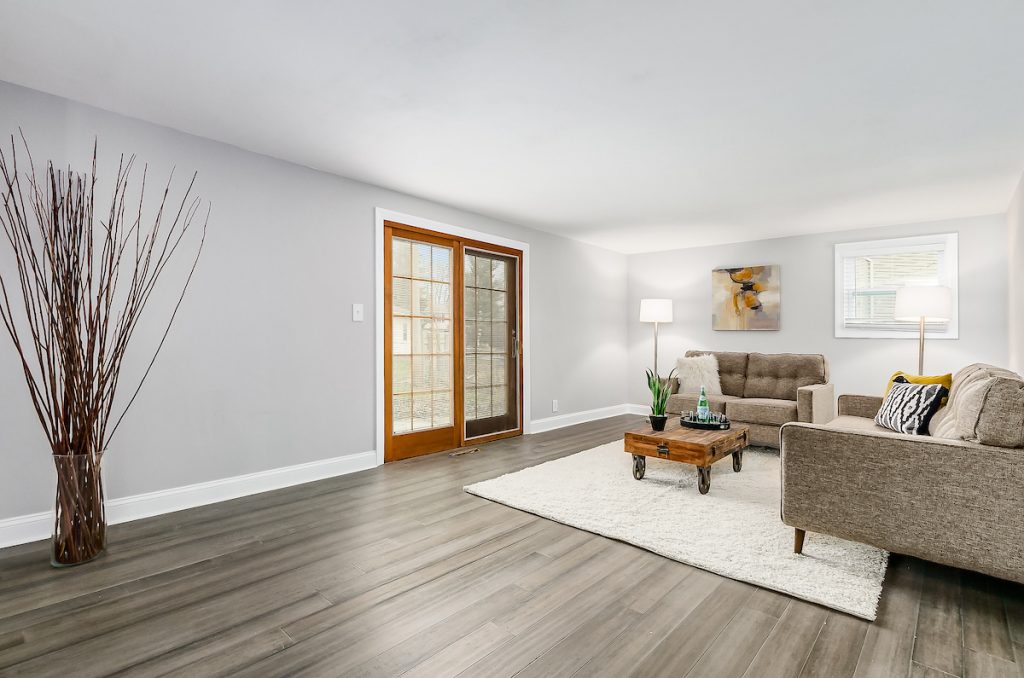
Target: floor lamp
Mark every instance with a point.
(655, 311)
(923, 304)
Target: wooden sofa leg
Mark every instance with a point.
(798, 540)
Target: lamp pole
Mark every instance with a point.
(920, 348)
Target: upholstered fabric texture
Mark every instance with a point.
(765, 435)
(816, 404)
(859, 406)
(699, 371)
(779, 375)
(953, 502)
(908, 408)
(985, 405)
(762, 411)
(687, 402)
(732, 370)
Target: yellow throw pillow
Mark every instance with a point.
(944, 379)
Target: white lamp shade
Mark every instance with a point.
(933, 303)
(655, 310)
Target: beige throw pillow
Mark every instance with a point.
(700, 370)
(991, 412)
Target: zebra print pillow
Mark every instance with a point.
(909, 407)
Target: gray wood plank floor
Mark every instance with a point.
(396, 571)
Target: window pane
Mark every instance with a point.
(483, 403)
(469, 272)
(483, 273)
(498, 306)
(499, 406)
(442, 265)
(483, 304)
(421, 260)
(469, 298)
(498, 274)
(401, 374)
(420, 298)
(422, 336)
(483, 337)
(441, 378)
(401, 256)
(421, 411)
(470, 403)
(400, 293)
(499, 337)
(499, 370)
(441, 306)
(442, 408)
(442, 337)
(470, 338)
(470, 370)
(401, 417)
(483, 370)
(421, 368)
(401, 336)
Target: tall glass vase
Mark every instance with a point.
(80, 523)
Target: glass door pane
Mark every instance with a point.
(491, 368)
(421, 326)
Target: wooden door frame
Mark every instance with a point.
(485, 239)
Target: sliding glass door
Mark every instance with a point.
(491, 374)
(452, 336)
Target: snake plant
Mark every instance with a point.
(660, 391)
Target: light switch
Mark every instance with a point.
(357, 313)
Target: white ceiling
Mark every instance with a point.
(632, 125)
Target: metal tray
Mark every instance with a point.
(705, 425)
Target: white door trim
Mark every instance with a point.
(380, 216)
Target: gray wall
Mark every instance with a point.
(857, 365)
(264, 367)
(1015, 226)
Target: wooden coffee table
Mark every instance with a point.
(687, 445)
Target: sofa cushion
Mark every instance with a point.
(696, 371)
(732, 370)
(772, 411)
(779, 375)
(846, 422)
(969, 395)
(687, 402)
(908, 408)
(991, 411)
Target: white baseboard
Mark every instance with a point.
(643, 410)
(23, 529)
(562, 420)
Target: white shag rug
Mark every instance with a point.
(735, 530)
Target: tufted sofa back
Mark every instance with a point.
(779, 375)
(732, 370)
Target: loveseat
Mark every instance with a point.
(955, 496)
(763, 391)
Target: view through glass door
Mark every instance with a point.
(491, 374)
(452, 319)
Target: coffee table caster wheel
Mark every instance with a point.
(703, 479)
(639, 466)
(737, 461)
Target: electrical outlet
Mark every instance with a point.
(554, 405)
(357, 313)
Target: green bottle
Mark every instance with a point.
(703, 411)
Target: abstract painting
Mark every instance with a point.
(746, 298)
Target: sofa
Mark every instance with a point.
(763, 391)
(955, 496)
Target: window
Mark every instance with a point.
(869, 273)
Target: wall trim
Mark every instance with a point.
(35, 526)
(573, 418)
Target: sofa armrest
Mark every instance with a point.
(860, 405)
(949, 501)
(816, 404)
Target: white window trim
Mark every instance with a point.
(889, 245)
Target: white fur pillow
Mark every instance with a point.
(700, 370)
